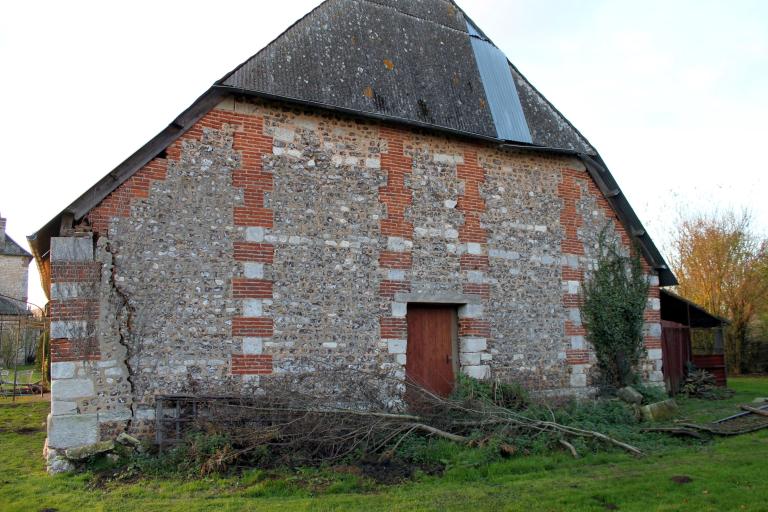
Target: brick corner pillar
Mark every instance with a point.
(254, 253)
(74, 313)
(653, 370)
(475, 356)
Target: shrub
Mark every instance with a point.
(615, 298)
(501, 394)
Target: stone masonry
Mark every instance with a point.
(269, 240)
(14, 266)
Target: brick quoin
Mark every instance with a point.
(254, 252)
(395, 260)
(474, 327)
(83, 349)
(243, 288)
(483, 290)
(74, 309)
(259, 327)
(75, 272)
(252, 144)
(474, 262)
(245, 364)
(118, 202)
(388, 289)
(395, 196)
(393, 328)
(577, 356)
(650, 342)
(570, 191)
(470, 203)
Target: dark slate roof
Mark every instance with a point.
(10, 248)
(424, 62)
(421, 63)
(12, 307)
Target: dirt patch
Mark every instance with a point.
(682, 479)
(390, 472)
(21, 430)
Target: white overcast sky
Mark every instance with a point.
(674, 94)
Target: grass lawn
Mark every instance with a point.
(727, 474)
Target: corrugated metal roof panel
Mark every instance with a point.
(500, 89)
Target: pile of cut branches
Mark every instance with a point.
(322, 417)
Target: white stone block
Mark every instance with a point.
(578, 380)
(450, 203)
(119, 414)
(578, 342)
(656, 376)
(399, 309)
(486, 357)
(654, 280)
(144, 414)
(397, 346)
(253, 346)
(373, 163)
(68, 430)
(253, 308)
(64, 291)
(503, 254)
(447, 159)
(396, 275)
(69, 389)
(255, 234)
(253, 270)
(451, 234)
(470, 358)
(471, 311)
(654, 304)
(654, 353)
(330, 344)
(401, 359)
(283, 134)
(473, 344)
(574, 315)
(477, 372)
(653, 330)
(63, 370)
(397, 244)
(59, 407)
(476, 276)
(518, 357)
(474, 248)
(69, 329)
(573, 287)
(113, 372)
(72, 248)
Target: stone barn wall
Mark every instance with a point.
(269, 240)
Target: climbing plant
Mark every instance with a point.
(615, 297)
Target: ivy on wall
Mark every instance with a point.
(615, 296)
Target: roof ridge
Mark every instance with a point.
(385, 6)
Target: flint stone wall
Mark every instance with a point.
(269, 240)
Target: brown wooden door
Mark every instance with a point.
(430, 355)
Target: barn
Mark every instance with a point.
(378, 188)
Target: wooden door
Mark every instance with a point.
(675, 353)
(430, 357)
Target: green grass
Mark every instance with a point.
(727, 474)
